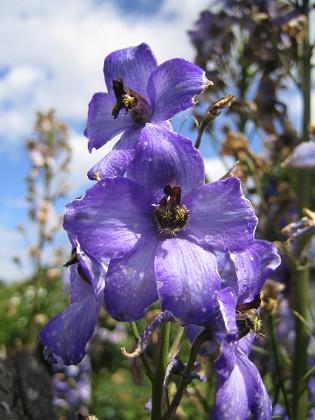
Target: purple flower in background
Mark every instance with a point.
(160, 228)
(72, 386)
(302, 157)
(139, 92)
(67, 334)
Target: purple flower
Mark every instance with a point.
(139, 92)
(240, 388)
(160, 228)
(67, 334)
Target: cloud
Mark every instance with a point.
(11, 246)
(82, 161)
(216, 168)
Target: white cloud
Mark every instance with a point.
(82, 161)
(216, 168)
(11, 246)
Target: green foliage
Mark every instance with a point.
(24, 309)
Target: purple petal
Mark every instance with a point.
(269, 260)
(226, 269)
(250, 269)
(79, 288)
(164, 157)
(227, 302)
(173, 86)
(247, 267)
(240, 388)
(220, 216)
(303, 156)
(86, 276)
(134, 65)
(253, 266)
(131, 285)
(68, 333)
(101, 125)
(110, 219)
(188, 280)
(116, 162)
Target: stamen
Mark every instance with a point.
(170, 215)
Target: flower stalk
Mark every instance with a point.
(300, 391)
(158, 380)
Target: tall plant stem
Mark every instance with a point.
(300, 391)
(158, 380)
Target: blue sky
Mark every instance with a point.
(52, 55)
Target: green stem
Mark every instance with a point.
(146, 365)
(300, 391)
(176, 342)
(158, 380)
(204, 336)
(275, 348)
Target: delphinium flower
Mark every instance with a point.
(160, 227)
(67, 334)
(139, 92)
(240, 388)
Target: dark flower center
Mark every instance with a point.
(131, 101)
(247, 318)
(170, 215)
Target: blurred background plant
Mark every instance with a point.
(31, 303)
(260, 52)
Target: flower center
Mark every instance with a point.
(131, 101)
(247, 318)
(170, 215)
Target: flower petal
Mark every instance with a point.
(68, 333)
(131, 285)
(101, 125)
(247, 268)
(240, 388)
(220, 216)
(116, 161)
(173, 86)
(269, 259)
(188, 280)
(110, 219)
(164, 157)
(227, 301)
(87, 275)
(133, 64)
(253, 266)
